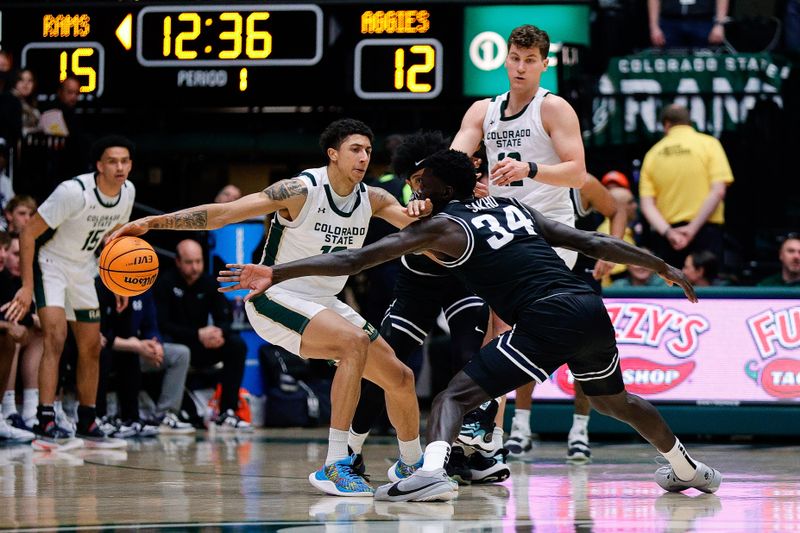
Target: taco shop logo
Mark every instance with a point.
(779, 377)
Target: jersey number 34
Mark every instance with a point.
(503, 233)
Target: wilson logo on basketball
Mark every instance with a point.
(641, 376)
(144, 282)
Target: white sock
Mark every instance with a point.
(9, 403)
(683, 465)
(579, 424)
(436, 454)
(522, 421)
(497, 438)
(30, 399)
(337, 445)
(410, 451)
(356, 440)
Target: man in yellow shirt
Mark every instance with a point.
(683, 182)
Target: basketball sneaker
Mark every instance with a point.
(478, 425)
(15, 420)
(359, 467)
(489, 468)
(94, 437)
(340, 479)
(519, 442)
(578, 450)
(706, 479)
(457, 466)
(63, 419)
(421, 486)
(171, 424)
(230, 421)
(53, 438)
(144, 429)
(9, 433)
(400, 470)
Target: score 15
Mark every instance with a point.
(54, 61)
(398, 69)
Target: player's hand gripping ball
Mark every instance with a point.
(128, 266)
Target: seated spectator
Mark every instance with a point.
(789, 256)
(227, 194)
(18, 212)
(6, 185)
(27, 353)
(10, 334)
(134, 346)
(687, 23)
(640, 277)
(624, 198)
(187, 298)
(701, 268)
(24, 88)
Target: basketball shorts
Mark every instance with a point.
(419, 299)
(571, 329)
(281, 317)
(57, 283)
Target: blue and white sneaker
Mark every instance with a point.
(341, 479)
(478, 426)
(400, 470)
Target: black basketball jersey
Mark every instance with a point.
(507, 262)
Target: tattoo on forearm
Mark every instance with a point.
(181, 220)
(286, 189)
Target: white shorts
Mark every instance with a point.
(71, 287)
(281, 317)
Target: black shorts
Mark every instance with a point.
(419, 299)
(568, 328)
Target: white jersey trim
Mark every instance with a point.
(470, 243)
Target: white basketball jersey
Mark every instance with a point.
(78, 229)
(523, 137)
(327, 223)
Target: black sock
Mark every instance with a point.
(86, 416)
(45, 414)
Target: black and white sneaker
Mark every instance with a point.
(93, 437)
(171, 424)
(578, 450)
(421, 486)
(229, 421)
(53, 438)
(478, 427)
(489, 469)
(457, 466)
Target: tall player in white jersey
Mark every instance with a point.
(534, 151)
(58, 266)
(320, 211)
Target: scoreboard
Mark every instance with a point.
(205, 55)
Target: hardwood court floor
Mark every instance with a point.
(259, 482)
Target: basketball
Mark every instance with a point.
(128, 266)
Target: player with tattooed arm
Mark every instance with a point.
(319, 211)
